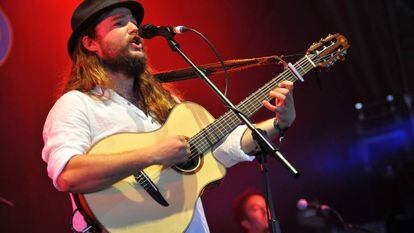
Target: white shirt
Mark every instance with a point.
(78, 120)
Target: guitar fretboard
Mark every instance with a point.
(214, 132)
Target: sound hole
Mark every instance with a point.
(190, 167)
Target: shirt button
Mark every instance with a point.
(129, 103)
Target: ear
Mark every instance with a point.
(246, 224)
(90, 44)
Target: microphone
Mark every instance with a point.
(148, 31)
(303, 204)
(324, 210)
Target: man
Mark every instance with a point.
(250, 212)
(111, 90)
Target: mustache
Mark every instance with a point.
(135, 38)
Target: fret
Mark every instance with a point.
(300, 70)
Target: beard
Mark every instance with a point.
(126, 63)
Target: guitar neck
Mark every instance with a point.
(214, 132)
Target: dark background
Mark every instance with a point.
(359, 163)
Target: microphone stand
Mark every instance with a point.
(265, 146)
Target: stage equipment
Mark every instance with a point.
(324, 218)
(148, 31)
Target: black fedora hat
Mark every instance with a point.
(87, 13)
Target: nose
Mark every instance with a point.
(132, 28)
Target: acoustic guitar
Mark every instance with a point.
(162, 199)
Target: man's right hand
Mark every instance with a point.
(172, 150)
(102, 170)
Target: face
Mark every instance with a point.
(255, 209)
(117, 42)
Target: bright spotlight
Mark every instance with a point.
(390, 98)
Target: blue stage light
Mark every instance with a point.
(359, 106)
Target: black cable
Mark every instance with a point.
(217, 55)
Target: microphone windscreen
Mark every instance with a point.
(147, 31)
(302, 204)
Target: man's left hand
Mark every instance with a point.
(284, 107)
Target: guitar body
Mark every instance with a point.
(126, 207)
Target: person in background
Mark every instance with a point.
(250, 212)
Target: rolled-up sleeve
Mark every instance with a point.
(229, 151)
(66, 133)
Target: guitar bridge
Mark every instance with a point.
(150, 187)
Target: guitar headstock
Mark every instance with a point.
(328, 51)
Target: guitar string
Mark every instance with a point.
(248, 105)
(276, 80)
(205, 145)
(307, 66)
(255, 100)
(285, 75)
(223, 120)
(229, 115)
(195, 145)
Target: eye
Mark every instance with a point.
(119, 23)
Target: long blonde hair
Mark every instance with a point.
(88, 72)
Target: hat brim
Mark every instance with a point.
(136, 9)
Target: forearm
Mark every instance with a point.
(91, 173)
(247, 143)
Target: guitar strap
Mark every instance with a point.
(91, 225)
